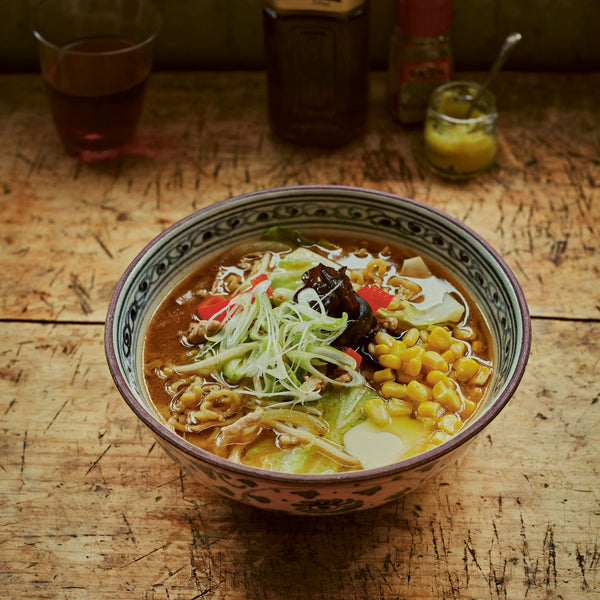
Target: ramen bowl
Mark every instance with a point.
(178, 251)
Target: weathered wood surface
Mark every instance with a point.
(92, 509)
(205, 137)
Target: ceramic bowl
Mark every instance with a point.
(176, 252)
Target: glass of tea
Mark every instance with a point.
(95, 58)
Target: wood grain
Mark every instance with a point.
(205, 137)
(90, 506)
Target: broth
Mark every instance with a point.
(317, 357)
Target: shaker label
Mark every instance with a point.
(426, 71)
(330, 6)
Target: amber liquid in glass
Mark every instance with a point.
(96, 92)
(317, 71)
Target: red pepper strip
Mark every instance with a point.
(212, 305)
(260, 278)
(375, 296)
(355, 355)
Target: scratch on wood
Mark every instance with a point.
(103, 246)
(76, 371)
(530, 571)
(499, 580)
(81, 293)
(558, 250)
(584, 567)
(77, 170)
(23, 457)
(56, 415)
(93, 465)
(129, 531)
(550, 555)
(55, 276)
(145, 555)
(382, 165)
(470, 548)
(156, 185)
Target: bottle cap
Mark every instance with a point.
(423, 17)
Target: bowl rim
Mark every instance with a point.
(325, 479)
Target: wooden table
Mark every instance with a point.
(92, 509)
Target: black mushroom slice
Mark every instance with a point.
(338, 296)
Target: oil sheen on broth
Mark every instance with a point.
(317, 356)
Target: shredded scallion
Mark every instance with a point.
(271, 350)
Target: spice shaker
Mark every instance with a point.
(420, 56)
(317, 61)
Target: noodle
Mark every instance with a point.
(256, 385)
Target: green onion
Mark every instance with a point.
(270, 349)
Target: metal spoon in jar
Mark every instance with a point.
(509, 43)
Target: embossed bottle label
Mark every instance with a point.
(418, 79)
(329, 6)
(426, 71)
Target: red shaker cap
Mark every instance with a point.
(423, 17)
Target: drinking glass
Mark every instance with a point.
(95, 57)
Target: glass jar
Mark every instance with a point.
(317, 61)
(457, 147)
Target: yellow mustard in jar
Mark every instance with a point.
(457, 147)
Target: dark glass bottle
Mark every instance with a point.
(317, 59)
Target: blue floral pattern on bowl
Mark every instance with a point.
(175, 254)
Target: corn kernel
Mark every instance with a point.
(383, 375)
(413, 367)
(478, 347)
(465, 368)
(434, 376)
(412, 352)
(428, 410)
(449, 356)
(399, 408)
(476, 394)
(433, 361)
(381, 349)
(458, 349)
(417, 392)
(382, 337)
(428, 422)
(392, 361)
(468, 409)
(393, 389)
(402, 377)
(397, 347)
(376, 412)
(411, 337)
(447, 397)
(449, 423)
(481, 377)
(439, 338)
(438, 437)
(463, 333)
